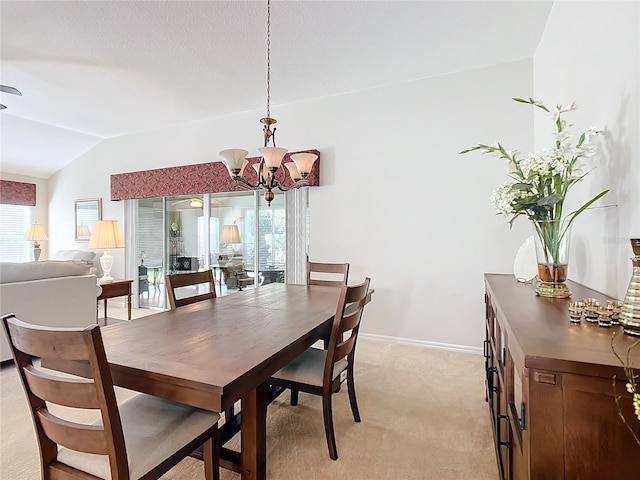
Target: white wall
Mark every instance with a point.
(39, 213)
(396, 200)
(590, 53)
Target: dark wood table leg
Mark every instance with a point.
(253, 434)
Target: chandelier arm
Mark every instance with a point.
(241, 181)
(296, 184)
(273, 183)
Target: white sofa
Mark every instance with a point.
(50, 293)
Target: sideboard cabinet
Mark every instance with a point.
(550, 388)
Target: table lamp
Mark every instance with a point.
(106, 235)
(35, 234)
(229, 236)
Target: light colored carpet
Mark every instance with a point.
(423, 417)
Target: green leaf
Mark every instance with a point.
(468, 150)
(487, 148)
(549, 199)
(573, 215)
(581, 140)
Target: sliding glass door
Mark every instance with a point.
(210, 231)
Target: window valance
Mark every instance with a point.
(17, 193)
(212, 177)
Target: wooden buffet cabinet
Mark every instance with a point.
(550, 388)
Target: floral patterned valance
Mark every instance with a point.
(210, 177)
(17, 193)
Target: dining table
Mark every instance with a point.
(213, 353)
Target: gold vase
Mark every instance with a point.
(630, 312)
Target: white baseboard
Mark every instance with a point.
(422, 343)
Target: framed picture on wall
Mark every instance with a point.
(88, 212)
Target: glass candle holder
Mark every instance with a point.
(616, 305)
(604, 316)
(575, 311)
(591, 306)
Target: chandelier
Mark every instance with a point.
(270, 162)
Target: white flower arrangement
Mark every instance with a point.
(538, 184)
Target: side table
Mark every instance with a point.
(117, 288)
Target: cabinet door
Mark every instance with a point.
(517, 402)
(597, 444)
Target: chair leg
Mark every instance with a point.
(228, 414)
(294, 397)
(328, 426)
(211, 453)
(352, 394)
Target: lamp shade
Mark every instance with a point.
(35, 233)
(106, 234)
(304, 162)
(234, 159)
(293, 171)
(230, 234)
(273, 156)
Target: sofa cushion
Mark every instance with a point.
(11, 272)
(87, 256)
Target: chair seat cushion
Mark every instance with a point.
(154, 429)
(308, 368)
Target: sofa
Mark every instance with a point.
(56, 293)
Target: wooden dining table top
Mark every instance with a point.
(209, 353)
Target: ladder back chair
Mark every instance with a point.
(194, 280)
(328, 274)
(318, 371)
(140, 439)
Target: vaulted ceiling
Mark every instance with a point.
(97, 69)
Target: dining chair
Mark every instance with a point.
(318, 371)
(194, 280)
(142, 438)
(328, 274)
(178, 281)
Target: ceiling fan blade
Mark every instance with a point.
(11, 90)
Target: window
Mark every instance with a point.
(14, 223)
(272, 246)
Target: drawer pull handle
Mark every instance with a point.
(549, 378)
(500, 441)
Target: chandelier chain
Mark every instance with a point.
(268, 57)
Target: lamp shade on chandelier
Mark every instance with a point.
(271, 161)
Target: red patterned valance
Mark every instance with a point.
(17, 193)
(192, 179)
